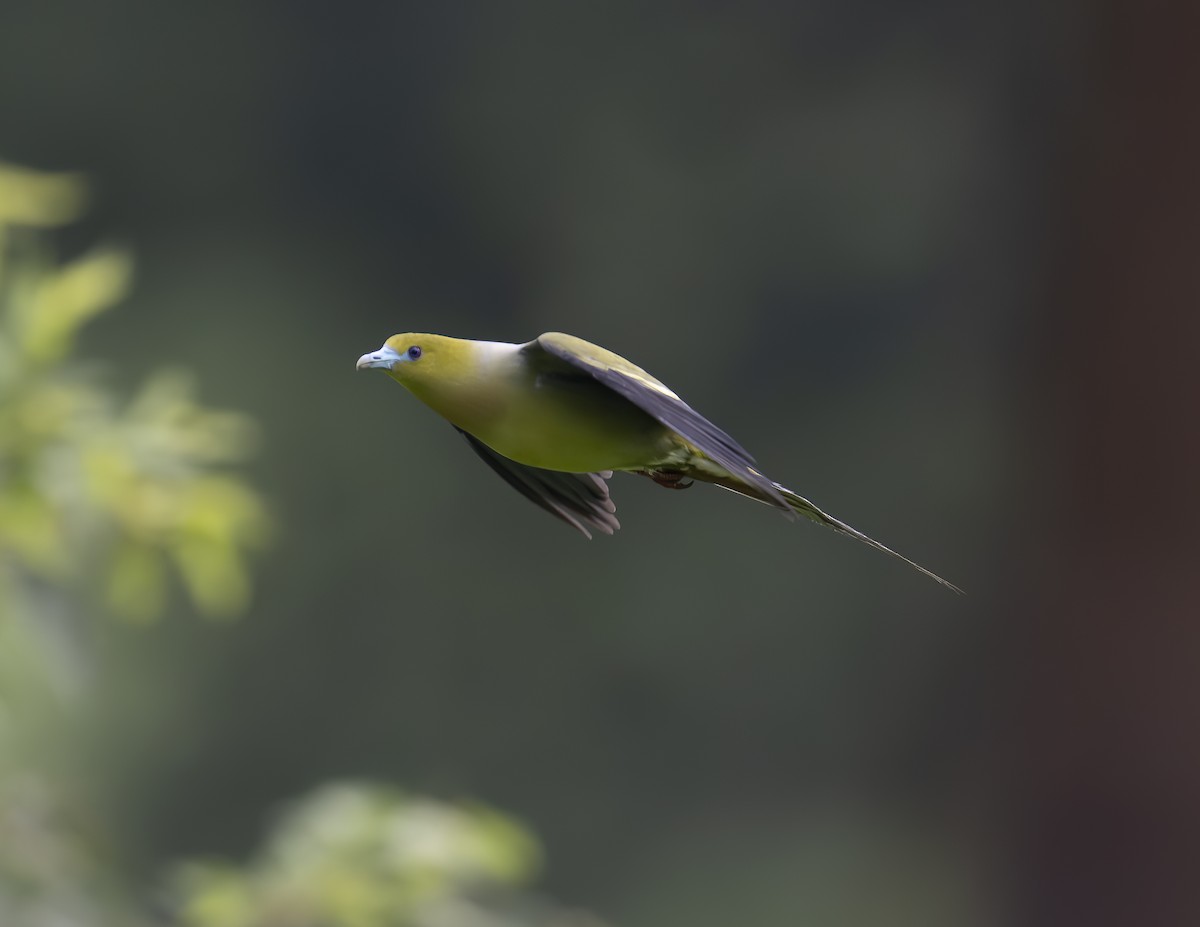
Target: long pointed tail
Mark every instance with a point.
(801, 505)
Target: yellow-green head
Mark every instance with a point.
(415, 358)
(460, 379)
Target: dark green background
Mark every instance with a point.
(844, 231)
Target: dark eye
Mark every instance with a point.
(414, 352)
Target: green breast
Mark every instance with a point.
(574, 423)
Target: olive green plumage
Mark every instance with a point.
(556, 416)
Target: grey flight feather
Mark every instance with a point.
(579, 499)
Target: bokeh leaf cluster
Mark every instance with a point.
(359, 855)
(95, 491)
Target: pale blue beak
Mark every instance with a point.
(385, 357)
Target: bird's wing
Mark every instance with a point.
(656, 399)
(579, 499)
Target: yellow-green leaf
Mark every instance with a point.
(37, 198)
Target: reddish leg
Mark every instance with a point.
(671, 479)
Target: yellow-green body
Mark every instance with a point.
(536, 417)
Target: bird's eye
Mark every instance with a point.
(414, 352)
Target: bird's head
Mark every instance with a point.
(455, 377)
(441, 371)
(413, 358)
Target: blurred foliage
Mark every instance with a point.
(366, 856)
(98, 501)
(93, 491)
(98, 498)
(50, 876)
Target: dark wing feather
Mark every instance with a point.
(655, 399)
(579, 499)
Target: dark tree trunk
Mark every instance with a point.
(1112, 726)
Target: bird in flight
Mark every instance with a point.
(557, 416)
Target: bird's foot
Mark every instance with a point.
(671, 479)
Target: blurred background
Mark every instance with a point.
(277, 649)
